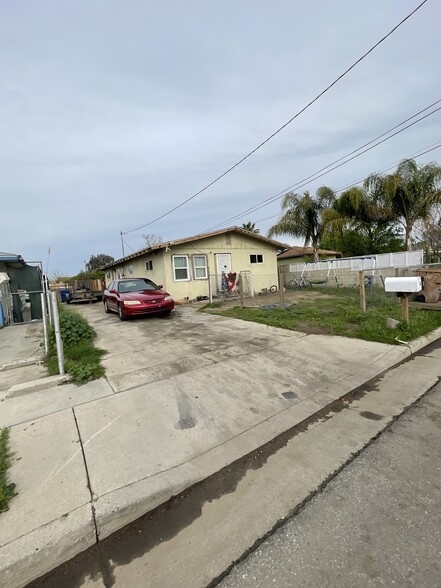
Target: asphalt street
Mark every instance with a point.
(378, 523)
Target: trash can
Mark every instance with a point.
(64, 294)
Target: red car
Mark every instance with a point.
(135, 296)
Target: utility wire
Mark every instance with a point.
(313, 176)
(426, 150)
(328, 169)
(288, 122)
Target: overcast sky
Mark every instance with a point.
(113, 112)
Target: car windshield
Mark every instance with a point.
(136, 286)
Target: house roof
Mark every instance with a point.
(302, 251)
(169, 244)
(12, 259)
(9, 256)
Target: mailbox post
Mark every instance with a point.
(403, 287)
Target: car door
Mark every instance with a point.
(111, 297)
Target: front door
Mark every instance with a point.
(223, 265)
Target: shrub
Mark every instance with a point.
(81, 357)
(7, 490)
(74, 328)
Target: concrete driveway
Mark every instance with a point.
(184, 397)
(192, 392)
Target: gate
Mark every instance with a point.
(26, 283)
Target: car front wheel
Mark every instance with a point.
(121, 312)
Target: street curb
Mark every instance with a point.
(36, 385)
(21, 363)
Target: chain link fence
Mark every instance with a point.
(326, 290)
(242, 285)
(26, 288)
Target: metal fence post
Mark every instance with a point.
(49, 306)
(362, 292)
(58, 340)
(45, 329)
(210, 291)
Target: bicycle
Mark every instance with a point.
(297, 283)
(273, 288)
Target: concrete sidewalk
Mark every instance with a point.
(90, 460)
(21, 350)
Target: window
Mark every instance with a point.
(200, 267)
(140, 285)
(108, 275)
(256, 258)
(149, 265)
(130, 269)
(180, 268)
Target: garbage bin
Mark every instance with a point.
(432, 283)
(64, 294)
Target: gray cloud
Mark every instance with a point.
(114, 112)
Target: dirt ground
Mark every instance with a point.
(289, 296)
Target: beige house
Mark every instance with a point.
(197, 266)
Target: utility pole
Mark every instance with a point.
(122, 243)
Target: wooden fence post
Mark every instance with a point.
(362, 292)
(241, 290)
(282, 289)
(405, 308)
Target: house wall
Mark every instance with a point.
(239, 246)
(137, 268)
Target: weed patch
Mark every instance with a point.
(7, 489)
(81, 357)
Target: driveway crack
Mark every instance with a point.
(89, 486)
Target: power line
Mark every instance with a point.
(333, 166)
(288, 122)
(426, 150)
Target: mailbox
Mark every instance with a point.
(405, 285)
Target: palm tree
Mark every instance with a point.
(251, 227)
(303, 216)
(412, 191)
(366, 212)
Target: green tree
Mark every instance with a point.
(305, 216)
(251, 227)
(361, 222)
(96, 262)
(412, 191)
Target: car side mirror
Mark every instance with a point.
(160, 286)
(112, 291)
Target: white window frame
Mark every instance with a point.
(196, 267)
(130, 270)
(187, 267)
(149, 269)
(256, 255)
